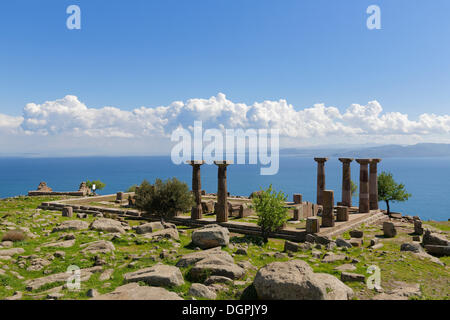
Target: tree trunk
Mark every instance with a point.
(387, 207)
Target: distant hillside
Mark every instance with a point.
(388, 151)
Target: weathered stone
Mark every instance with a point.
(211, 236)
(418, 229)
(38, 264)
(342, 213)
(241, 251)
(345, 267)
(133, 291)
(168, 233)
(291, 246)
(216, 266)
(320, 178)
(100, 246)
(297, 198)
(208, 206)
(343, 243)
(430, 238)
(202, 291)
(346, 185)
(356, 242)
(438, 250)
(60, 244)
(217, 279)
(35, 284)
(67, 212)
(413, 247)
(107, 225)
(356, 234)
(194, 257)
(158, 275)
(149, 227)
(43, 187)
(71, 225)
(295, 280)
(106, 275)
(312, 225)
(92, 293)
(331, 257)
(352, 277)
(389, 229)
(11, 252)
(328, 205)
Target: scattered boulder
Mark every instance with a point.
(71, 225)
(60, 244)
(389, 229)
(343, 243)
(149, 227)
(291, 246)
(11, 252)
(413, 247)
(158, 275)
(217, 279)
(194, 257)
(352, 277)
(107, 225)
(216, 266)
(100, 246)
(168, 233)
(295, 280)
(202, 291)
(331, 257)
(345, 267)
(43, 187)
(134, 291)
(356, 242)
(211, 236)
(356, 234)
(430, 238)
(418, 229)
(438, 250)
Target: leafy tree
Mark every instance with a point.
(98, 185)
(389, 190)
(271, 210)
(353, 188)
(164, 198)
(132, 188)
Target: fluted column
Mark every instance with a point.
(197, 211)
(364, 206)
(320, 178)
(373, 184)
(346, 182)
(222, 193)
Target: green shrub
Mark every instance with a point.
(132, 188)
(164, 198)
(98, 185)
(270, 208)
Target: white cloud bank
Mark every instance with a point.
(76, 122)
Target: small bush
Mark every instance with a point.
(271, 211)
(164, 198)
(14, 235)
(132, 188)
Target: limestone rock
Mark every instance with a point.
(168, 233)
(389, 229)
(202, 291)
(216, 266)
(343, 243)
(100, 246)
(194, 257)
(295, 280)
(11, 252)
(211, 236)
(71, 225)
(158, 275)
(61, 244)
(356, 234)
(413, 247)
(430, 238)
(149, 227)
(352, 277)
(133, 291)
(107, 225)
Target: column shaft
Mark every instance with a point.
(346, 182)
(373, 184)
(364, 206)
(320, 178)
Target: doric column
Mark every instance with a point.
(364, 206)
(320, 178)
(373, 184)
(328, 205)
(346, 182)
(196, 212)
(222, 193)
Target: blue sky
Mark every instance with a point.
(147, 53)
(130, 54)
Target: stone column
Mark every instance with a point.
(320, 178)
(297, 198)
(196, 212)
(364, 206)
(346, 182)
(328, 205)
(222, 193)
(373, 184)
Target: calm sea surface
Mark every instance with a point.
(427, 179)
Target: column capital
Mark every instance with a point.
(346, 160)
(363, 161)
(375, 160)
(321, 159)
(223, 162)
(195, 162)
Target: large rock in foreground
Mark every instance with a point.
(211, 236)
(108, 225)
(295, 280)
(158, 275)
(133, 291)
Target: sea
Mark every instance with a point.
(426, 179)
